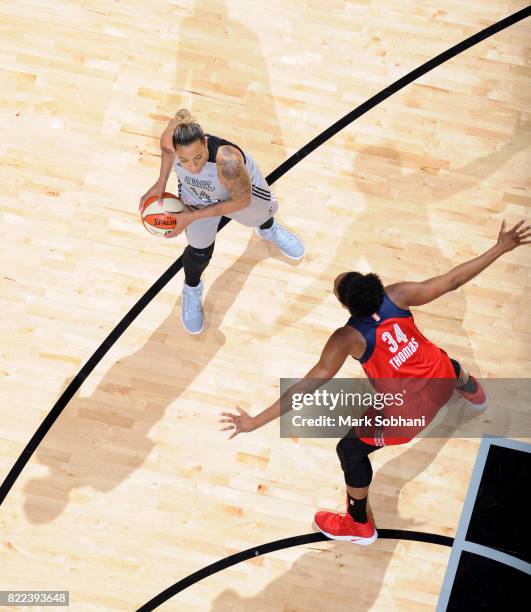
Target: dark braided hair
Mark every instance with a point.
(362, 294)
(187, 130)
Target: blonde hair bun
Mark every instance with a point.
(183, 117)
(186, 129)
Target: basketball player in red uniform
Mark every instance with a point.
(382, 335)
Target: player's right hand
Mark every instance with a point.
(157, 189)
(238, 423)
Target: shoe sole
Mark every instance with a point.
(351, 539)
(283, 252)
(476, 406)
(194, 333)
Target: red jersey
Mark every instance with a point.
(398, 356)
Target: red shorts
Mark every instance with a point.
(415, 403)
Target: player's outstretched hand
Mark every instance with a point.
(157, 189)
(238, 423)
(510, 239)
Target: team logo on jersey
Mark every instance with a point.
(199, 183)
(200, 188)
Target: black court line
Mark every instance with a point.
(251, 553)
(396, 86)
(76, 383)
(115, 334)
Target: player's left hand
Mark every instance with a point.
(238, 423)
(182, 221)
(510, 239)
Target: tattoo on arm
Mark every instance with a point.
(233, 175)
(166, 144)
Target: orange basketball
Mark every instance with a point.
(153, 217)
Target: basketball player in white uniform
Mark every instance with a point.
(216, 178)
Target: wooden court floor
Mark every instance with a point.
(134, 487)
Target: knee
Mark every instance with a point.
(199, 256)
(355, 463)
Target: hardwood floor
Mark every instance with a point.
(134, 487)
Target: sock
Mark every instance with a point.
(470, 386)
(357, 508)
(268, 224)
(195, 263)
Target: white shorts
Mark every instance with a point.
(202, 233)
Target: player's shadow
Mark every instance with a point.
(381, 175)
(223, 78)
(384, 176)
(318, 576)
(100, 440)
(343, 576)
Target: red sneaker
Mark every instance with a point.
(478, 399)
(343, 527)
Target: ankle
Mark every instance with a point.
(470, 386)
(357, 508)
(189, 286)
(268, 224)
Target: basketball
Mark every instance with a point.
(153, 214)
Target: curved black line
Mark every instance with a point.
(80, 377)
(394, 87)
(76, 383)
(72, 388)
(250, 553)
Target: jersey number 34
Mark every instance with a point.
(400, 336)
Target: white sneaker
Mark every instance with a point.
(286, 241)
(192, 316)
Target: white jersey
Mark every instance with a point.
(205, 188)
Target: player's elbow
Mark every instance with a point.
(455, 283)
(323, 372)
(167, 152)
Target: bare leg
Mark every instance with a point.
(358, 492)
